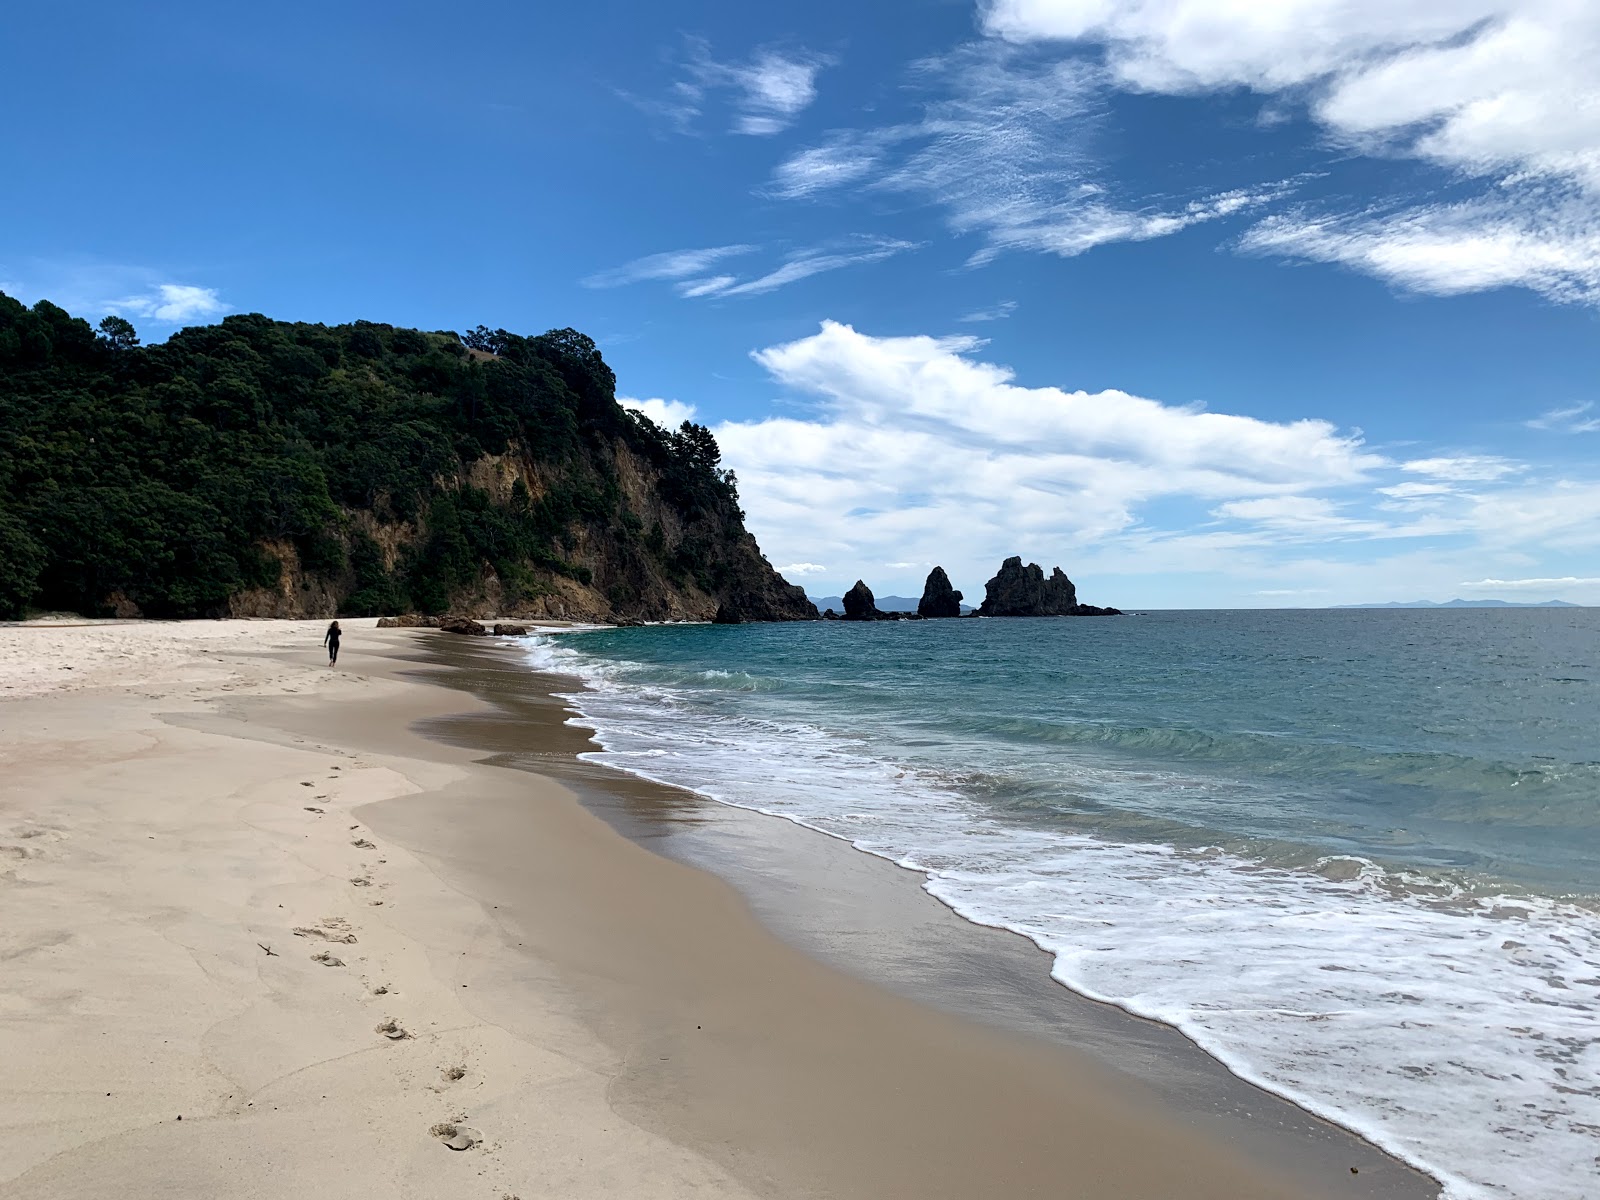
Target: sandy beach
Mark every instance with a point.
(262, 937)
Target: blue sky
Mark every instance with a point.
(1209, 303)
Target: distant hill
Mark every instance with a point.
(268, 468)
(1459, 604)
(885, 603)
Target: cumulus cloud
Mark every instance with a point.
(802, 568)
(1500, 89)
(172, 303)
(920, 451)
(90, 288)
(669, 414)
(1483, 85)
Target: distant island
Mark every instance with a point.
(1464, 604)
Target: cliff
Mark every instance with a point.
(1018, 591)
(264, 468)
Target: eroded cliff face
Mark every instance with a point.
(650, 558)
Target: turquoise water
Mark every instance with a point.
(1354, 854)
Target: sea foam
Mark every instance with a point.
(1456, 1030)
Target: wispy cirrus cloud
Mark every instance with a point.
(671, 264)
(1572, 419)
(1005, 146)
(686, 269)
(998, 312)
(763, 94)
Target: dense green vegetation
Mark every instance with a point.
(170, 478)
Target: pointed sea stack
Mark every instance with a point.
(1019, 591)
(939, 599)
(859, 604)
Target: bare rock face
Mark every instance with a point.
(728, 614)
(939, 599)
(408, 621)
(1019, 591)
(859, 604)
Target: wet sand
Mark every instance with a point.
(797, 1020)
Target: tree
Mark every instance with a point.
(119, 333)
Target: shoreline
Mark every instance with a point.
(561, 966)
(810, 887)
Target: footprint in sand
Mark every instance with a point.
(457, 1137)
(391, 1029)
(453, 1074)
(363, 844)
(313, 808)
(327, 935)
(358, 881)
(327, 959)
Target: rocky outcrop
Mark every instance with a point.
(503, 630)
(727, 614)
(1023, 591)
(859, 604)
(408, 621)
(464, 625)
(939, 599)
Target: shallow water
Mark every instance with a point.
(1356, 855)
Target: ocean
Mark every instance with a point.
(1355, 855)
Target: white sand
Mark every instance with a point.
(146, 871)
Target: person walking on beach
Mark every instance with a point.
(331, 641)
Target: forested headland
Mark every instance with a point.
(268, 468)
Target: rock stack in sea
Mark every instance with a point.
(1023, 591)
(859, 604)
(939, 599)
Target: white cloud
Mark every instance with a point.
(1463, 467)
(1573, 419)
(1500, 89)
(1546, 582)
(997, 313)
(87, 288)
(673, 264)
(1487, 86)
(172, 303)
(1523, 235)
(669, 414)
(921, 452)
(766, 92)
(711, 285)
(802, 568)
(1417, 491)
(1003, 146)
(802, 266)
